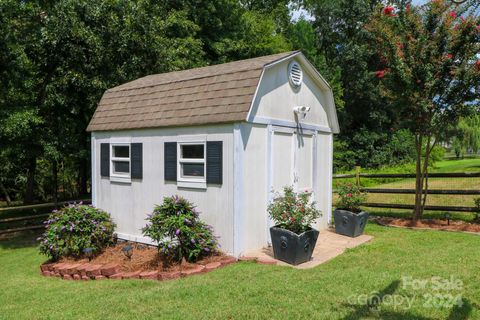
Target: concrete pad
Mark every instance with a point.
(329, 245)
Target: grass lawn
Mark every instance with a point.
(247, 290)
(463, 165)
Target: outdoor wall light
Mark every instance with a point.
(459, 1)
(128, 251)
(88, 253)
(301, 111)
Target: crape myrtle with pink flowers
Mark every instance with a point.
(176, 227)
(428, 69)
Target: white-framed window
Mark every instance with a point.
(120, 161)
(191, 164)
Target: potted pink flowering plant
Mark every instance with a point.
(349, 218)
(293, 238)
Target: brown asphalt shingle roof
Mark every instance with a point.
(214, 94)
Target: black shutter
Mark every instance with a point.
(105, 159)
(136, 160)
(170, 161)
(214, 162)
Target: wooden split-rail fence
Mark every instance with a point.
(30, 222)
(445, 192)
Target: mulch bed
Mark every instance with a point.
(435, 224)
(145, 263)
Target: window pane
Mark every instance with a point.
(121, 166)
(121, 151)
(192, 151)
(193, 169)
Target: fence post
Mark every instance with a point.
(357, 175)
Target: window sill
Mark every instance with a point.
(192, 184)
(126, 180)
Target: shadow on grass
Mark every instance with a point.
(461, 312)
(18, 240)
(372, 308)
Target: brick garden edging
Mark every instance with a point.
(91, 271)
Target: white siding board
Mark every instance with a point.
(255, 138)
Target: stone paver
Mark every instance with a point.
(212, 266)
(194, 270)
(169, 275)
(110, 269)
(329, 245)
(153, 275)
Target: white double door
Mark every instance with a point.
(292, 161)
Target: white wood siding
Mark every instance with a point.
(129, 203)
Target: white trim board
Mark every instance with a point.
(129, 237)
(290, 124)
(94, 168)
(269, 171)
(238, 191)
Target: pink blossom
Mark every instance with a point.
(388, 11)
(380, 74)
(453, 14)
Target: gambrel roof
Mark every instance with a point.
(215, 94)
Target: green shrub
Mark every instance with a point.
(293, 211)
(350, 197)
(75, 227)
(176, 228)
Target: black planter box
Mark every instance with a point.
(293, 248)
(348, 223)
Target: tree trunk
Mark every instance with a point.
(83, 177)
(421, 182)
(417, 211)
(30, 189)
(55, 181)
(5, 193)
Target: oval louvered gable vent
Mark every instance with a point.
(295, 74)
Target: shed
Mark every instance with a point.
(225, 137)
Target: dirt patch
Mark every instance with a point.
(435, 224)
(144, 258)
